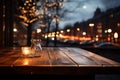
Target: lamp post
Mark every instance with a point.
(116, 37)
(55, 5)
(56, 29)
(109, 34)
(49, 16)
(29, 7)
(118, 30)
(84, 33)
(78, 32)
(91, 25)
(58, 3)
(68, 33)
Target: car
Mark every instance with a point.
(107, 45)
(87, 44)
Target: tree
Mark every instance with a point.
(97, 12)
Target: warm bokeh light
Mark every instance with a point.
(25, 62)
(61, 31)
(53, 38)
(49, 35)
(75, 38)
(57, 32)
(78, 29)
(68, 30)
(84, 33)
(105, 31)
(116, 35)
(38, 30)
(118, 24)
(15, 30)
(91, 24)
(109, 30)
(60, 35)
(108, 39)
(53, 35)
(96, 39)
(26, 50)
(46, 36)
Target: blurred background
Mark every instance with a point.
(79, 23)
(93, 25)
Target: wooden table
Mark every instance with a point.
(56, 61)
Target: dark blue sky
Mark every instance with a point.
(79, 10)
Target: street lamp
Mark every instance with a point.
(49, 19)
(54, 5)
(62, 31)
(78, 32)
(15, 30)
(68, 30)
(116, 36)
(78, 29)
(109, 30)
(84, 33)
(109, 34)
(48, 11)
(91, 25)
(57, 6)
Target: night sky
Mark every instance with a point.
(81, 10)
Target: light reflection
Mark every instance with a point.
(25, 62)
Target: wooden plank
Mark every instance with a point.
(78, 58)
(97, 58)
(8, 57)
(86, 58)
(58, 58)
(42, 60)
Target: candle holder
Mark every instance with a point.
(29, 52)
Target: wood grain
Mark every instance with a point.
(56, 60)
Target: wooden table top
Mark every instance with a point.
(56, 60)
